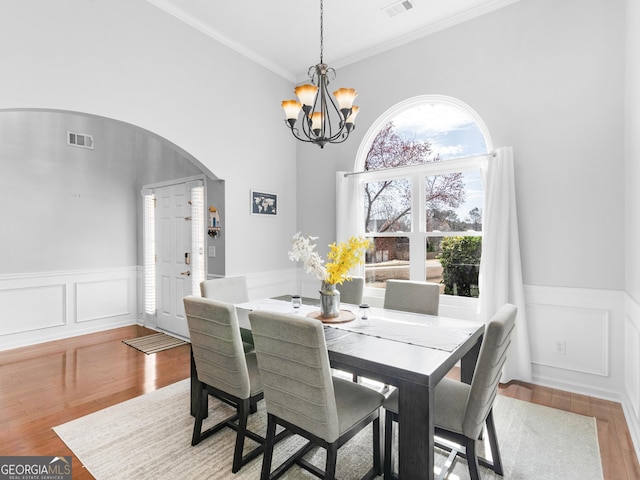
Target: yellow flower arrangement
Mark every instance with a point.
(344, 256)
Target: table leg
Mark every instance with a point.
(415, 431)
(468, 362)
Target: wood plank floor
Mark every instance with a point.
(46, 385)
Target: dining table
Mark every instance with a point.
(409, 351)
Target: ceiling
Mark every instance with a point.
(284, 35)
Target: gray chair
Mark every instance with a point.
(462, 410)
(226, 289)
(303, 397)
(409, 296)
(224, 370)
(229, 290)
(351, 290)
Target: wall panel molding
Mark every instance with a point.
(28, 308)
(577, 339)
(103, 299)
(557, 345)
(40, 307)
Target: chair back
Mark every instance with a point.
(295, 372)
(351, 290)
(415, 297)
(217, 346)
(493, 354)
(226, 289)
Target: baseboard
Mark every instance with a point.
(578, 388)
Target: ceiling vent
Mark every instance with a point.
(399, 7)
(80, 140)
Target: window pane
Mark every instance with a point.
(454, 202)
(433, 271)
(387, 206)
(459, 258)
(387, 258)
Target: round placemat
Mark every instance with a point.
(344, 317)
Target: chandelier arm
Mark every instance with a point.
(296, 134)
(342, 124)
(306, 124)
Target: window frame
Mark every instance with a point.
(416, 175)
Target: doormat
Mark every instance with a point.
(154, 343)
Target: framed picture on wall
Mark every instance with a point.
(264, 203)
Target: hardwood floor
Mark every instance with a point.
(46, 385)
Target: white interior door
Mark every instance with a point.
(173, 264)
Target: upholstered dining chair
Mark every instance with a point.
(462, 410)
(229, 290)
(226, 289)
(302, 396)
(224, 370)
(351, 290)
(410, 296)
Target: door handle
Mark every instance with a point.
(187, 273)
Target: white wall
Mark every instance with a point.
(128, 60)
(632, 252)
(547, 77)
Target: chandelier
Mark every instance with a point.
(319, 107)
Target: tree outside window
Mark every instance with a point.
(444, 229)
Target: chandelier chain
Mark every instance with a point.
(321, 30)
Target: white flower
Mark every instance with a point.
(304, 251)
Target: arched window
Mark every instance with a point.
(422, 195)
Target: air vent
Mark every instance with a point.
(399, 7)
(80, 140)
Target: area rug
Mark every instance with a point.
(154, 343)
(149, 437)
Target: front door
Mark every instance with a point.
(173, 265)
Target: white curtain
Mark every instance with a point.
(500, 267)
(349, 212)
(348, 207)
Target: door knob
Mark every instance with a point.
(187, 273)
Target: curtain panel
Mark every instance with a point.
(500, 279)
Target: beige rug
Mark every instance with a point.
(149, 437)
(154, 343)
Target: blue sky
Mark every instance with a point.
(453, 133)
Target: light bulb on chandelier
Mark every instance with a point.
(315, 101)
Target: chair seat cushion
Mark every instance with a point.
(354, 402)
(450, 402)
(254, 376)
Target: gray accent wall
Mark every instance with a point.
(67, 208)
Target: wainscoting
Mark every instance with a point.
(582, 341)
(36, 308)
(631, 403)
(577, 339)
